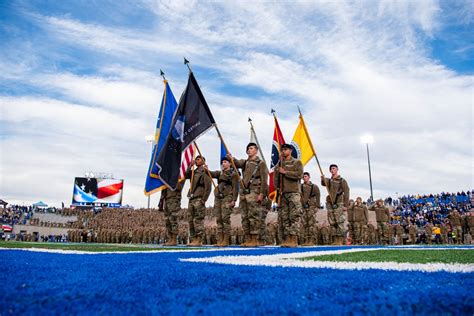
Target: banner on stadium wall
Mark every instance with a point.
(97, 192)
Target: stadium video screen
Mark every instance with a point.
(97, 192)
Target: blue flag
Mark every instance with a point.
(223, 151)
(193, 118)
(168, 107)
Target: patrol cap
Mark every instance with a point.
(250, 145)
(287, 146)
(333, 165)
(199, 156)
(225, 159)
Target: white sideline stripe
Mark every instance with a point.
(81, 252)
(290, 260)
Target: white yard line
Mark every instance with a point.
(290, 260)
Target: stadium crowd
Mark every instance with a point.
(441, 218)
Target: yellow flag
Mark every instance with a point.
(303, 148)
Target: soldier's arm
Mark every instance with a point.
(295, 174)
(239, 163)
(324, 180)
(235, 186)
(276, 178)
(318, 196)
(215, 174)
(366, 214)
(207, 189)
(263, 178)
(345, 187)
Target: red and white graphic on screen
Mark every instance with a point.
(109, 189)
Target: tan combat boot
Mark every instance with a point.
(196, 242)
(171, 240)
(220, 236)
(309, 242)
(292, 241)
(247, 241)
(339, 241)
(253, 241)
(225, 240)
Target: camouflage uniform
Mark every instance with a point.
(172, 206)
(399, 233)
(225, 193)
(412, 232)
(337, 199)
(456, 223)
(361, 218)
(325, 235)
(428, 233)
(382, 216)
(255, 180)
(371, 234)
(290, 196)
(198, 195)
(310, 200)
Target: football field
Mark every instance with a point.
(74, 279)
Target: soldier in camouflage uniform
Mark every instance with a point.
(336, 202)
(225, 197)
(428, 233)
(170, 203)
(399, 233)
(412, 229)
(311, 201)
(382, 216)
(200, 189)
(360, 219)
(287, 179)
(456, 223)
(253, 192)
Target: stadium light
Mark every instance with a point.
(368, 139)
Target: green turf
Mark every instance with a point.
(85, 247)
(402, 255)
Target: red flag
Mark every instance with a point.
(278, 140)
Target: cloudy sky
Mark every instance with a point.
(80, 87)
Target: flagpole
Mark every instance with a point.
(279, 162)
(228, 152)
(256, 139)
(186, 62)
(208, 172)
(315, 156)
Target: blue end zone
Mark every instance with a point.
(158, 283)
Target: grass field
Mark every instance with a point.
(85, 247)
(402, 256)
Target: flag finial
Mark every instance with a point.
(250, 120)
(162, 74)
(186, 62)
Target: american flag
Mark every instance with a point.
(188, 156)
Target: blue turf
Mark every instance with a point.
(150, 284)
